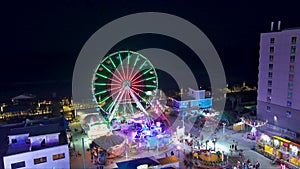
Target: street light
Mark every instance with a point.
(214, 142)
(178, 149)
(224, 124)
(206, 142)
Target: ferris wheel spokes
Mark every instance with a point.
(139, 105)
(112, 114)
(113, 104)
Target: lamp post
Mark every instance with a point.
(224, 124)
(83, 153)
(206, 142)
(126, 149)
(214, 142)
(178, 149)
(183, 126)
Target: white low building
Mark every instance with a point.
(42, 145)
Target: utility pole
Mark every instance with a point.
(83, 154)
(224, 124)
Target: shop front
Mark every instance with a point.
(264, 144)
(286, 151)
(295, 154)
(282, 146)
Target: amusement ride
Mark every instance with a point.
(125, 87)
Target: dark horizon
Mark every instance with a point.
(44, 38)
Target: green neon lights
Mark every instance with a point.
(106, 68)
(101, 92)
(112, 62)
(128, 58)
(153, 86)
(143, 65)
(120, 58)
(106, 98)
(109, 106)
(149, 78)
(136, 60)
(100, 84)
(102, 75)
(147, 71)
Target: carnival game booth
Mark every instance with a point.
(282, 148)
(295, 154)
(285, 151)
(238, 126)
(264, 145)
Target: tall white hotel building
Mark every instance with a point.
(279, 78)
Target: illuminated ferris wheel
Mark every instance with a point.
(123, 83)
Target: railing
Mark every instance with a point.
(284, 132)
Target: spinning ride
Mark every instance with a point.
(254, 124)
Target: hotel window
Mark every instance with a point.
(269, 83)
(289, 103)
(290, 94)
(272, 49)
(291, 77)
(18, 165)
(58, 156)
(40, 160)
(294, 39)
(293, 49)
(13, 140)
(269, 91)
(268, 108)
(269, 98)
(272, 40)
(270, 74)
(290, 85)
(292, 58)
(271, 58)
(292, 68)
(270, 66)
(288, 114)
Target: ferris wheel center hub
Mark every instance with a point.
(126, 84)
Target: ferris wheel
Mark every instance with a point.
(123, 82)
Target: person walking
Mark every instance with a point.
(191, 164)
(92, 156)
(185, 162)
(257, 165)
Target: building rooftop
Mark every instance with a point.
(151, 161)
(294, 28)
(168, 160)
(17, 108)
(33, 128)
(36, 130)
(24, 96)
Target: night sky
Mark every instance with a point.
(44, 38)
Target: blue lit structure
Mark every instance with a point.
(205, 103)
(196, 100)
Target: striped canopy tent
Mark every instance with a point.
(92, 119)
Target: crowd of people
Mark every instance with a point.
(98, 157)
(247, 164)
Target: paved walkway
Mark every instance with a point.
(223, 143)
